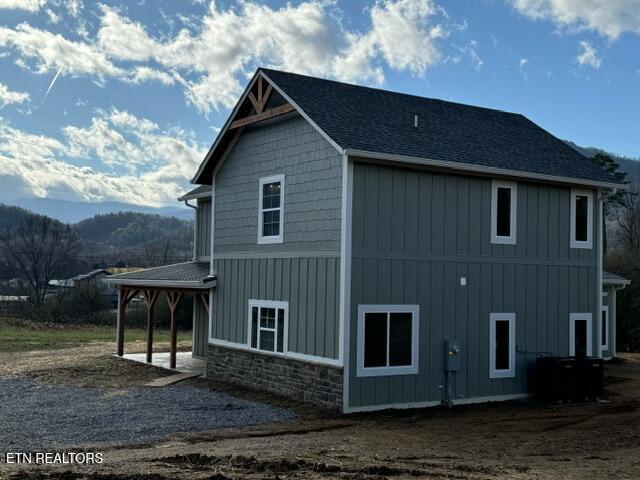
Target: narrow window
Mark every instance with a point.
(604, 328)
(581, 219)
(502, 345)
(580, 335)
(387, 339)
(268, 325)
(503, 212)
(270, 215)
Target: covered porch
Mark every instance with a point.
(174, 281)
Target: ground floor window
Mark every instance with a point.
(268, 323)
(604, 327)
(580, 335)
(387, 339)
(502, 345)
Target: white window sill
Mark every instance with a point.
(269, 240)
(387, 371)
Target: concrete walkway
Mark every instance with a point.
(185, 363)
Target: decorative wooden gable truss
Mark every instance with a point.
(258, 97)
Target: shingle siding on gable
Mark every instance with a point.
(312, 192)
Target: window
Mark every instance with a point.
(268, 324)
(387, 340)
(580, 335)
(503, 212)
(581, 219)
(604, 328)
(270, 215)
(502, 345)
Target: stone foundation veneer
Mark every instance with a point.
(289, 377)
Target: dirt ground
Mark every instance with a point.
(507, 440)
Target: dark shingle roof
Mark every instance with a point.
(608, 277)
(380, 121)
(195, 273)
(199, 191)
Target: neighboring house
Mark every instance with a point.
(365, 249)
(95, 278)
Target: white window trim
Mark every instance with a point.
(511, 371)
(274, 238)
(573, 317)
(495, 238)
(285, 336)
(604, 342)
(589, 242)
(396, 370)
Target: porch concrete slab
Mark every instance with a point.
(171, 379)
(185, 362)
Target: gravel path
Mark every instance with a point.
(36, 415)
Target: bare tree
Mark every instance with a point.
(38, 249)
(627, 216)
(161, 251)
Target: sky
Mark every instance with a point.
(119, 101)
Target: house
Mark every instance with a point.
(365, 249)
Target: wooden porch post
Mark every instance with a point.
(173, 300)
(122, 294)
(125, 295)
(150, 297)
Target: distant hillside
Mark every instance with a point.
(129, 229)
(10, 216)
(629, 165)
(113, 232)
(69, 211)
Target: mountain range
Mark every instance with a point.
(69, 211)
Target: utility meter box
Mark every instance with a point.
(452, 354)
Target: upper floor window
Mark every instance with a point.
(270, 214)
(503, 212)
(581, 219)
(387, 339)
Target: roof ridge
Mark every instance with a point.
(394, 92)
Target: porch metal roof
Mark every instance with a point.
(180, 275)
(613, 279)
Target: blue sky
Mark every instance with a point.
(141, 88)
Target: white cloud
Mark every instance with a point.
(522, 68)
(210, 59)
(50, 52)
(28, 5)
(146, 74)
(9, 96)
(588, 56)
(608, 17)
(136, 160)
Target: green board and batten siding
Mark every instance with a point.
(416, 233)
(304, 270)
(203, 229)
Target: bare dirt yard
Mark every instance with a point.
(507, 440)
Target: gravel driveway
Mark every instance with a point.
(36, 415)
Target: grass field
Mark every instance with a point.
(16, 337)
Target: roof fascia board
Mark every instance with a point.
(609, 281)
(340, 150)
(467, 167)
(225, 127)
(163, 283)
